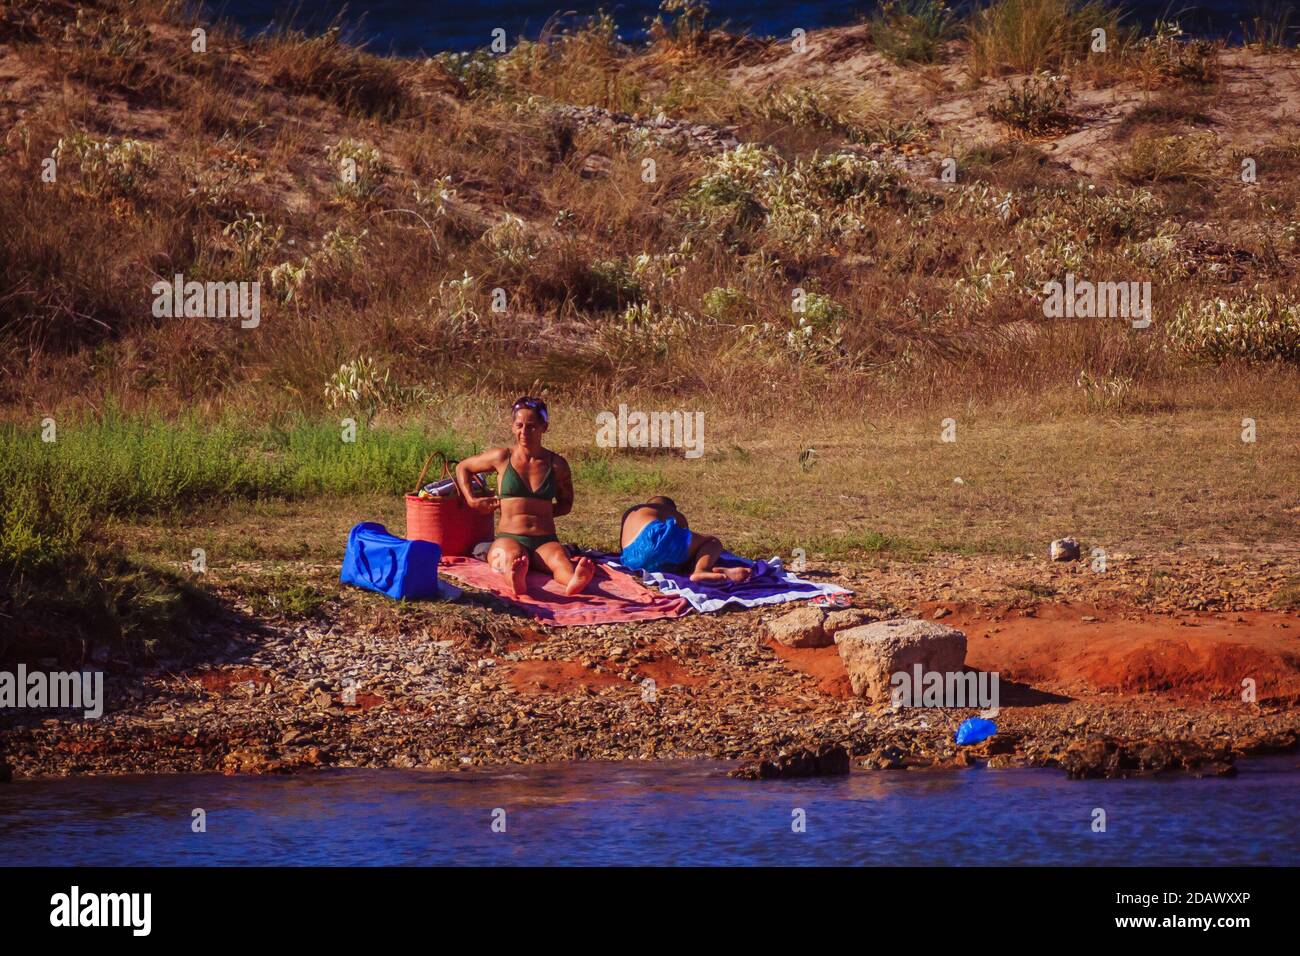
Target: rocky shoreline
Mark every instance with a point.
(486, 689)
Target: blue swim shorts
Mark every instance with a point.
(662, 545)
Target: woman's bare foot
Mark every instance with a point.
(583, 572)
(516, 574)
(735, 575)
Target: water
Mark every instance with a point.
(411, 27)
(686, 813)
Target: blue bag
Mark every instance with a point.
(975, 729)
(390, 565)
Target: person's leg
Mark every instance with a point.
(704, 553)
(509, 558)
(573, 576)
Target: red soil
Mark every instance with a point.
(822, 663)
(557, 677)
(235, 680)
(567, 677)
(1123, 651)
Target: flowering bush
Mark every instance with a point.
(254, 240)
(643, 332)
(821, 199)
(107, 168)
(360, 168)
(358, 384)
(1253, 327)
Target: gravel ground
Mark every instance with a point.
(363, 685)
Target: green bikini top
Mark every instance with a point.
(513, 486)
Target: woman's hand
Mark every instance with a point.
(490, 460)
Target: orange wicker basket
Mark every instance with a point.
(447, 522)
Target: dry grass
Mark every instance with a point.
(1169, 159)
(1024, 36)
(466, 172)
(921, 299)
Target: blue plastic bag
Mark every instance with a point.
(975, 729)
(382, 562)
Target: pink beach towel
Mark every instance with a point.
(611, 598)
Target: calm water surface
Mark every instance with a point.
(655, 814)
(430, 26)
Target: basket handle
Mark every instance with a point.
(446, 470)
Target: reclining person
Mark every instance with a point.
(655, 536)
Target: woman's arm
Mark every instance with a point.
(563, 487)
(489, 460)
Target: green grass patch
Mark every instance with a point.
(617, 475)
(282, 594)
(56, 498)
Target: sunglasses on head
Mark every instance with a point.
(536, 404)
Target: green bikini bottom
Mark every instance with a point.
(530, 541)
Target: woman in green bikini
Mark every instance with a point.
(534, 488)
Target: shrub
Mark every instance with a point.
(359, 385)
(512, 241)
(724, 304)
(477, 71)
(326, 66)
(814, 336)
(985, 279)
(1107, 393)
(111, 50)
(805, 105)
(1167, 55)
(1168, 159)
(360, 167)
(912, 30)
(643, 332)
(1252, 327)
(108, 168)
(254, 241)
(613, 281)
(821, 198)
(689, 19)
(1132, 213)
(1036, 106)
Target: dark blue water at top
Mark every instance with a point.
(418, 26)
(655, 814)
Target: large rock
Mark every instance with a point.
(812, 626)
(1063, 549)
(801, 627)
(826, 760)
(846, 618)
(872, 653)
